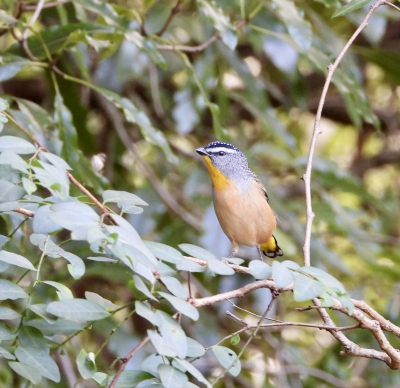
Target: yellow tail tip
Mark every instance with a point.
(271, 248)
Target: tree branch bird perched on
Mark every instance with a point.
(240, 200)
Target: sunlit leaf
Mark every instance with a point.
(39, 359)
(228, 359)
(171, 377)
(77, 310)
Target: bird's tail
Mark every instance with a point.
(271, 248)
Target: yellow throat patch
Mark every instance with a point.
(219, 180)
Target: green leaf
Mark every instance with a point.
(9, 290)
(220, 21)
(76, 267)
(171, 377)
(182, 306)
(77, 310)
(42, 224)
(298, 28)
(131, 378)
(39, 359)
(144, 310)
(172, 333)
(198, 252)
(136, 116)
(61, 326)
(86, 364)
(6, 354)
(193, 371)
(18, 260)
(30, 337)
(174, 287)
(17, 145)
(306, 288)
(141, 286)
(8, 314)
(324, 278)
(281, 274)
(63, 291)
(28, 185)
(259, 269)
(96, 298)
(40, 309)
(74, 215)
(56, 161)
(164, 252)
(13, 159)
(350, 7)
(228, 359)
(190, 266)
(122, 197)
(235, 339)
(55, 38)
(27, 371)
(6, 333)
(194, 349)
(10, 192)
(219, 267)
(162, 346)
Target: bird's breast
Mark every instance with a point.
(244, 214)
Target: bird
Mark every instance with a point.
(240, 200)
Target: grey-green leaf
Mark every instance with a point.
(164, 252)
(171, 377)
(219, 267)
(27, 371)
(122, 197)
(306, 288)
(8, 314)
(9, 290)
(16, 144)
(350, 7)
(10, 192)
(259, 269)
(228, 359)
(182, 306)
(86, 365)
(77, 310)
(174, 286)
(39, 359)
(198, 252)
(282, 276)
(18, 260)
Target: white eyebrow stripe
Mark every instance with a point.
(218, 149)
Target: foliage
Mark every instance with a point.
(102, 287)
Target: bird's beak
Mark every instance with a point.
(202, 152)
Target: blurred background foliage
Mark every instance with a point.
(146, 82)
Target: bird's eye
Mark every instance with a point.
(221, 153)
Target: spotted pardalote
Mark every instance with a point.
(240, 200)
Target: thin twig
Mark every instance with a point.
(174, 11)
(28, 7)
(126, 360)
(317, 130)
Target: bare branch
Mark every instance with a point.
(25, 212)
(126, 360)
(174, 11)
(317, 130)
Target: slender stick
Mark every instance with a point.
(317, 130)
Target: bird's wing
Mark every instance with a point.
(263, 189)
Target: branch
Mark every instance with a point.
(126, 360)
(317, 130)
(174, 11)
